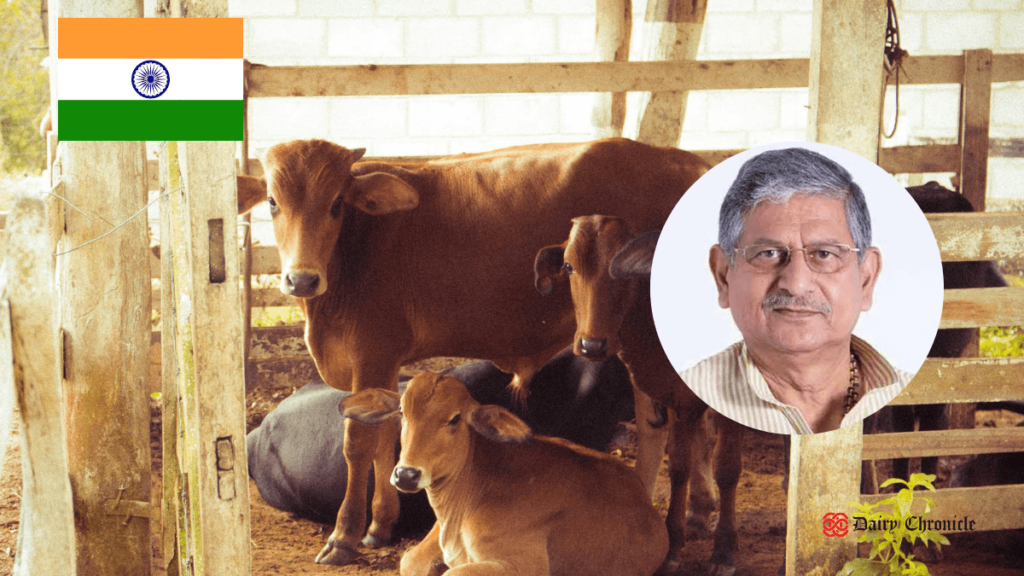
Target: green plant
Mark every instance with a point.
(888, 531)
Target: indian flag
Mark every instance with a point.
(149, 78)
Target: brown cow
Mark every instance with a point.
(508, 502)
(608, 273)
(397, 262)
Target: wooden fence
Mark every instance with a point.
(210, 450)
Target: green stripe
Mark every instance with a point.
(149, 119)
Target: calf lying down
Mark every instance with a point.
(506, 501)
(296, 460)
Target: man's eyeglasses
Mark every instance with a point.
(822, 258)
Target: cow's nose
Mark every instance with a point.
(406, 479)
(593, 347)
(302, 284)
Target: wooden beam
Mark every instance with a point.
(991, 507)
(943, 443)
(978, 236)
(974, 307)
(672, 31)
(614, 28)
(962, 380)
(30, 372)
(975, 102)
(950, 69)
(920, 159)
(411, 79)
(374, 80)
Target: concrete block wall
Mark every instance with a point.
(318, 32)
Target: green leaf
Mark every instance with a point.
(862, 567)
(905, 498)
(892, 481)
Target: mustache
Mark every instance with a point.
(786, 300)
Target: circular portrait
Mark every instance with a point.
(796, 288)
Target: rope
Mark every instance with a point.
(893, 62)
(119, 226)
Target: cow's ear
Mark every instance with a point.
(498, 424)
(548, 268)
(251, 191)
(634, 259)
(378, 193)
(370, 406)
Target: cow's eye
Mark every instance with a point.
(336, 207)
(274, 208)
(568, 268)
(455, 420)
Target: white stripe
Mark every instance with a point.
(729, 382)
(111, 79)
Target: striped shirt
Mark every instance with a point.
(731, 384)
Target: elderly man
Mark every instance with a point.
(795, 266)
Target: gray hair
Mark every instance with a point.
(775, 176)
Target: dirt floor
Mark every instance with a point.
(283, 544)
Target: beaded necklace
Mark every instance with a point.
(852, 394)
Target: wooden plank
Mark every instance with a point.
(991, 507)
(247, 244)
(978, 236)
(172, 514)
(975, 102)
(614, 27)
(943, 443)
(961, 380)
(31, 369)
(919, 159)
(105, 318)
(974, 307)
(950, 69)
(261, 298)
(392, 80)
(398, 80)
(845, 98)
(211, 362)
(265, 260)
(672, 32)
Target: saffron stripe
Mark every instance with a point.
(149, 38)
(149, 120)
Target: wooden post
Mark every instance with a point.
(975, 101)
(170, 183)
(30, 360)
(672, 32)
(105, 314)
(614, 28)
(250, 380)
(845, 98)
(213, 499)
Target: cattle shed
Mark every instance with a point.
(414, 79)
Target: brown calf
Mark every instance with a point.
(608, 272)
(508, 502)
(395, 263)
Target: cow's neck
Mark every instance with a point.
(453, 499)
(348, 268)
